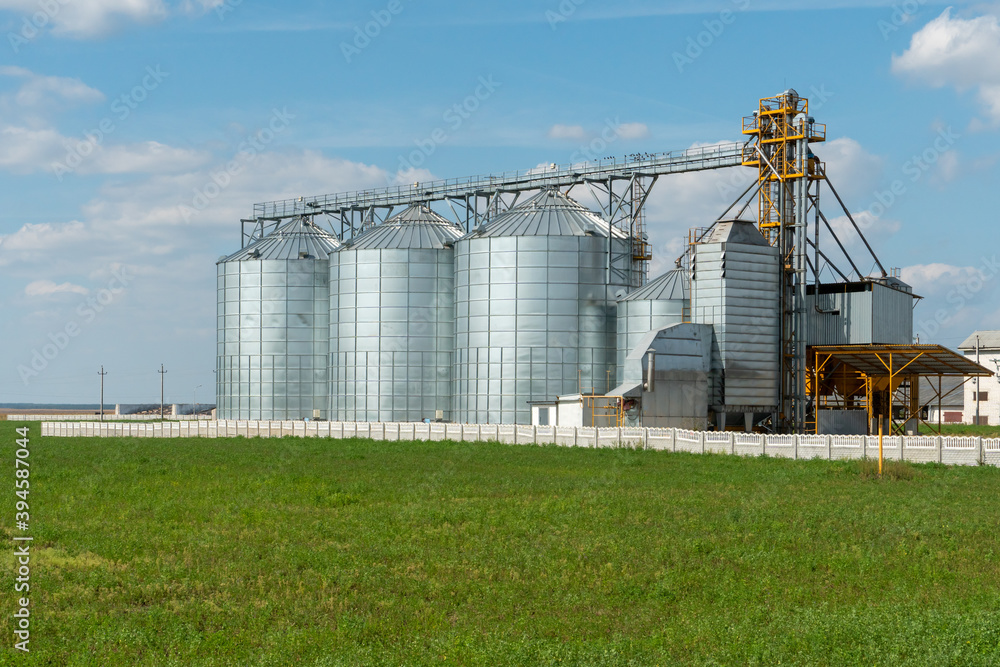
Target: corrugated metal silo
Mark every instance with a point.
(273, 328)
(659, 303)
(392, 320)
(535, 308)
(735, 287)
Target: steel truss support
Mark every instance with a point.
(622, 202)
(789, 177)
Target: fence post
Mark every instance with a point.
(576, 436)
(673, 440)
(701, 436)
(732, 444)
(534, 434)
(829, 447)
(795, 447)
(940, 448)
(645, 438)
(902, 448)
(979, 448)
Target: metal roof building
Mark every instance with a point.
(392, 320)
(659, 303)
(273, 312)
(735, 285)
(986, 340)
(535, 313)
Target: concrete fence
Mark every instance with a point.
(108, 416)
(917, 449)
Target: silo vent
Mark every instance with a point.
(304, 254)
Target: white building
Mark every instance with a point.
(951, 408)
(982, 395)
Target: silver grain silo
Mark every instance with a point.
(273, 328)
(735, 287)
(658, 303)
(535, 309)
(392, 309)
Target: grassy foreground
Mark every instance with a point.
(318, 552)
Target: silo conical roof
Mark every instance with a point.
(416, 227)
(548, 213)
(735, 231)
(671, 286)
(289, 241)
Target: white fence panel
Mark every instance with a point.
(524, 435)
(506, 434)
(608, 437)
(633, 437)
(780, 446)
(748, 444)
(660, 438)
(469, 433)
(813, 447)
(565, 435)
(586, 436)
(991, 451)
(960, 451)
(847, 447)
(545, 435)
(688, 441)
(891, 447)
(718, 442)
(922, 449)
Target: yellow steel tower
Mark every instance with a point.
(788, 192)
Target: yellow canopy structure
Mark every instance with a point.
(878, 377)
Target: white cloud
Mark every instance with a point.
(200, 6)
(144, 157)
(40, 242)
(937, 278)
(567, 132)
(629, 131)
(44, 89)
(139, 221)
(29, 150)
(853, 171)
(90, 18)
(39, 97)
(948, 167)
(952, 51)
(47, 288)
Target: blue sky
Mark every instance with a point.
(119, 119)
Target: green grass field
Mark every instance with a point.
(319, 552)
(964, 429)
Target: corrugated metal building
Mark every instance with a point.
(735, 288)
(273, 325)
(878, 311)
(535, 311)
(659, 303)
(391, 320)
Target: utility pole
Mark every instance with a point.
(978, 386)
(102, 374)
(162, 373)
